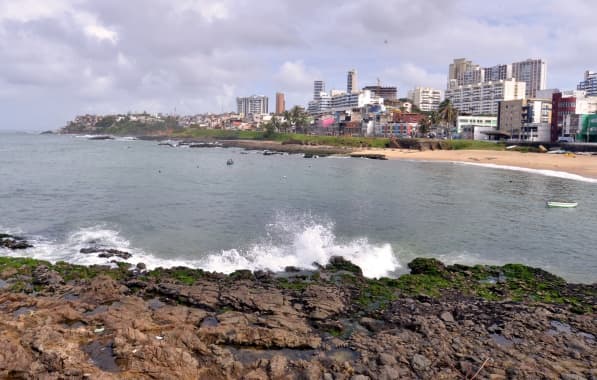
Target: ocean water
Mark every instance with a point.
(182, 206)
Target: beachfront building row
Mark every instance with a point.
(570, 112)
(463, 72)
(483, 98)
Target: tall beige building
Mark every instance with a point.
(462, 70)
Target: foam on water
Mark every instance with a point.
(300, 243)
(545, 172)
(302, 247)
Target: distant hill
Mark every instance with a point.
(122, 125)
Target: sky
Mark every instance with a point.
(61, 58)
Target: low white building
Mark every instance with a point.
(472, 127)
(536, 132)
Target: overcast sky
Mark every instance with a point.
(60, 58)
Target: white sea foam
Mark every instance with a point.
(545, 172)
(310, 243)
(301, 244)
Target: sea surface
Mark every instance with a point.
(183, 206)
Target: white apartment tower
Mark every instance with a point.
(318, 88)
(351, 82)
(533, 72)
(426, 98)
(252, 105)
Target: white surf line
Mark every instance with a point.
(544, 172)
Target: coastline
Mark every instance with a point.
(436, 322)
(581, 165)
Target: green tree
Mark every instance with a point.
(448, 115)
(269, 129)
(424, 126)
(299, 118)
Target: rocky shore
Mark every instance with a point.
(438, 322)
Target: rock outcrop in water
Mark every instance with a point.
(13, 242)
(439, 322)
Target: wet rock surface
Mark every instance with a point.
(13, 242)
(444, 322)
(107, 252)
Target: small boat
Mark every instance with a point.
(554, 204)
(230, 162)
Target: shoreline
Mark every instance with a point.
(558, 165)
(510, 321)
(580, 165)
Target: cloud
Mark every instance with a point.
(64, 57)
(409, 76)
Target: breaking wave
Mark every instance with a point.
(298, 242)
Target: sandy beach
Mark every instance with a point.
(582, 165)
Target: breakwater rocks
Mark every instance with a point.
(510, 322)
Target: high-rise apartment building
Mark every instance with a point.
(252, 105)
(483, 98)
(280, 103)
(427, 99)
(457, 71)
(533, 72)
(497, 72)
(351, 82)
(318, 88)
(589, 84)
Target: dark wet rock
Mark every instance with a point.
(107, 252)
(13, 242)
(338, 263)
(102, 355)
(141, 266)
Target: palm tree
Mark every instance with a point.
(424, 125)
(298, 118)
(448, 114)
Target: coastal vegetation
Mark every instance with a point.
(428, 277)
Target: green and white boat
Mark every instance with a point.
(560, 204)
